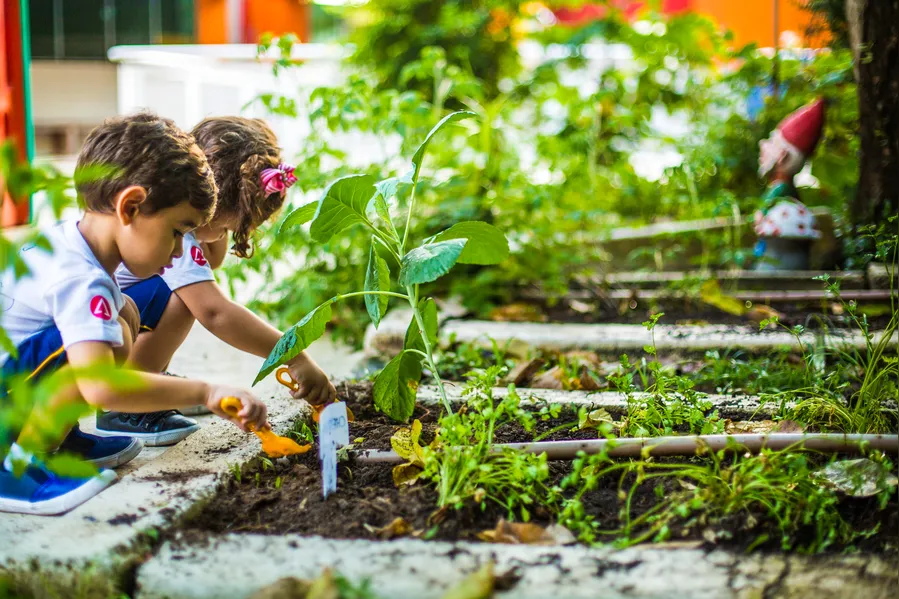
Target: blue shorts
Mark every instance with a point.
(39, 355)
(151, 296)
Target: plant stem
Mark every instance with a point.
(341, 296)
(428, 349)
(409, 217)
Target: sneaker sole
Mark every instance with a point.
(121, 458)
(64, 503)
(162, 439)
(195, 410)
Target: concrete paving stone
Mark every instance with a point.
(236, 566)
(387, 339)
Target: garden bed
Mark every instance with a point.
(286, 497)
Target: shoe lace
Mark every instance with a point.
(153, 418)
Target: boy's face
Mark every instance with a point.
(149, 243)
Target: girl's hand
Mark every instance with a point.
(313, 383)
(253, 414)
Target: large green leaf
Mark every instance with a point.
(377, 278)
(388, 187)
(419, 155)
(342, 205)
(396, 387)
(300, 216)
(296, 339)
(486, 244)
(428, 310)
(430, 262)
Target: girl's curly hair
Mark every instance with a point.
(238, 149)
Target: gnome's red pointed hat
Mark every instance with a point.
(802, 129)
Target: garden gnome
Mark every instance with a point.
(785, 227)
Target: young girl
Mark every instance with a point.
(245, 160)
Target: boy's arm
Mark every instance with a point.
(241, 329)
(155, 392)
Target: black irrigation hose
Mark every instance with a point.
(681, 445)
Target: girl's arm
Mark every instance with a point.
(241, 329)
(215, 251)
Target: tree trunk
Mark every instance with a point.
(874, 35)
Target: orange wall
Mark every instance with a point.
(259, 16)
(753, 20)
(211, 22)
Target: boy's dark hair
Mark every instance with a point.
(238, 149)
(145, 150)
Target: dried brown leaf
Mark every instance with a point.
(397, 528)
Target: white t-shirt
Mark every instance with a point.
(67, 287)
(190, 268)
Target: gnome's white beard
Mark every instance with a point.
(775, 149)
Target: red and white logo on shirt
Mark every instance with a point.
(197, 254)
(100, 308)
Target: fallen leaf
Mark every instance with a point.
(588, 380)
(594, 418)
(551, 379)
(518, 313)
(526, 533)
(477, 585)
(755, 427)
(285, 588)
(761, 312)
(789, 426)
(405, 473)
(581, 307)
(710, 293)
(397, 528)
(324, 587)
(857, 478)
(524, 371)
(405, 443)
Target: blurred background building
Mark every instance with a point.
(88, 59)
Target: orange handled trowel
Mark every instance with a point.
(272, 444)
(283, 376)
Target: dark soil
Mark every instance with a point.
(286, 497)
(810, 316)
(367, 500)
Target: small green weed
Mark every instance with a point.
(464, 465)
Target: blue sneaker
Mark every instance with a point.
(102, 452)
(43, 493)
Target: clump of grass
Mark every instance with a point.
(770, 497)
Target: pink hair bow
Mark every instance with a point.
(278, 180)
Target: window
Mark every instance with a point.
(86, 29)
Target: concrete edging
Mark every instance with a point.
(236, 566)
(387, 340)
(95, 545)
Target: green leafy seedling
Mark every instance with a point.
(360, 200)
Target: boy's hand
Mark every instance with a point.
(314, 385)
(131, 315)
(253, 414)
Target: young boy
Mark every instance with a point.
(69, 310)
(246, 161)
